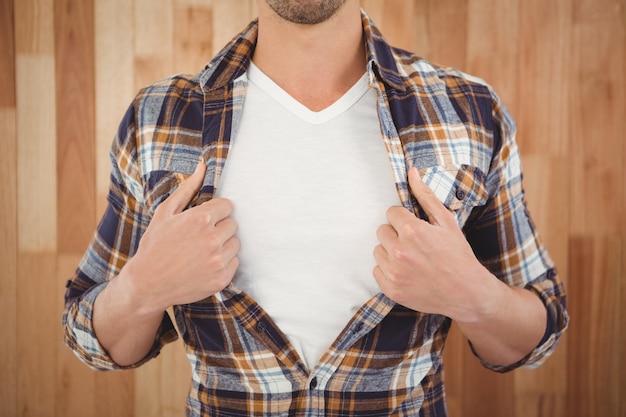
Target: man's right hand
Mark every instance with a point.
(184, 255)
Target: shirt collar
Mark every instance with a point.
(233, 60)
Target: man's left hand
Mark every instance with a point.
(427, 266)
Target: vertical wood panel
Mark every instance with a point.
(114, 63)
(192, 36)
(545, 30)
(74, 59)
(153, 40)
(8, 213)
(597, 115)
(69, 69)
(7, 52)
(449, 46)
(37, 335)
(36, 127)
(36, 206)
(595, 362)
(75, 155)
(8, 260)
(492, 45)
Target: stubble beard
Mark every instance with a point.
(305, 12)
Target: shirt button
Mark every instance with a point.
(313, 383)
(260, 326)
(460, 194)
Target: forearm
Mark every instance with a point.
(507, 324)
(123, 325)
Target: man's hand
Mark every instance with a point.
(427, 266)
(185, 255)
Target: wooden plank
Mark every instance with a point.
(36, 205)
(229, 18)
(153, 26)
(545, 35)
(7, 52)
(36, 153)
(116, 394)
(37, 335)
(74, 69)
(448, 27)
(74, 59)
(493, 47)
(34, 27)
(8, 260)
(620, 32)
(593, 350)
(597, 125)
(395, 19)
(485, 393)
(114, 80)
(192, 37)
(621, 370)
(8, 216)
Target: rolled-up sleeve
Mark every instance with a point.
(114, 242)
(505, 240)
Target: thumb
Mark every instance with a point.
(437, 213)
(185, 192)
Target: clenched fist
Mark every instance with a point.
(186, 255)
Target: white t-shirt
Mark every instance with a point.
(309, 191)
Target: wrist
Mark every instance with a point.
(483, 301)
(137, 292)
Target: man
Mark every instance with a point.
(264, 247)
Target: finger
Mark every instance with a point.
(403, 221)
(437, 213)
(380, 277)
(380, 255)
(218, 209)
(386, 235)
(226, 229)
(231, 248)
(185, 192)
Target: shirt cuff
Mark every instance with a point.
(556, 323)
(81, 338)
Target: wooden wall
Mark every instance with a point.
(69, 68)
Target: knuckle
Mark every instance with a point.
(213, 242)
(395, 293)
(400, 254)
(395, 275)
(409, 231)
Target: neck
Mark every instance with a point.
(315, 64)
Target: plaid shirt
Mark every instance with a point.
(388, 359)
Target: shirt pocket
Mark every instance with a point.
(460, 188)
(159, 185)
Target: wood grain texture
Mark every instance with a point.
(74, 70)
(8, 213)
(69, 69)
